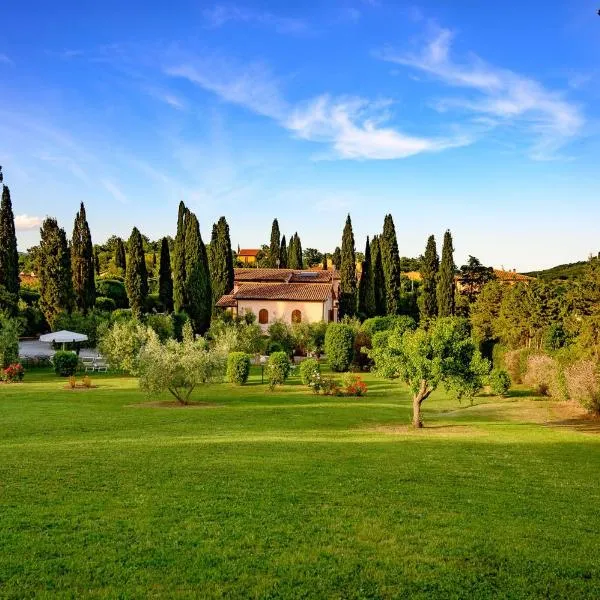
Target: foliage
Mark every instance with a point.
(65, 363)
(275, 245)
(312, 257)
(366, 289)
(378, 277)
(89, 324)
(583, 384)
(162, 325)
(220, 260)
(236, 336)
(426, 358)
(485, 311)
(179, 320)
(555, 337)
(278, 369)
(54, 271)
(179, 272)
(136, 277)
(376, 324)
(473, 276)
(82, 263)
(347, 290)
(330, 387)
(309, 338)
(283, 254)
(165, 277)
(281, 334)
(9, 257)
(339, 346)
(541, 374)
(295, 252)
(114, 289)
(178, 367)
(446, 285)
(13, 373)
(120, 255)
(10, 329)
(238, 367)
(353, 385)
(121, 344)
(362, 344)
(390, 259)
(105, 304)
(499, 381)
(515, 362)
(308, 368)
(429, 272)
(336, 258)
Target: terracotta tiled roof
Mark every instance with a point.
(413, 275)
(226, 301)
(248, 252)
(304, 292)
(511, 276)
(283, 275)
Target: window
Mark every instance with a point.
(263, 316)
(296, 316)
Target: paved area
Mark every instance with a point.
(35, 348)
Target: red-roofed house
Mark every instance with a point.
(248, 255)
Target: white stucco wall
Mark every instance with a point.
(282, 310)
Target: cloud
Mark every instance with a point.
(26, 222)
(6, 60)
(166, 97)
(502, 94)
(115, 191)
(351, 126)
(221, 14)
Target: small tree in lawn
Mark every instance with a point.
(426, 358)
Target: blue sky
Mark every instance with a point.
(478, 117)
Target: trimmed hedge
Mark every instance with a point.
(308, 368)
(499, 382)
(278, 368)
(238, 367)
(105, 304)
(114, 289)
(65, 363)
(339, 346)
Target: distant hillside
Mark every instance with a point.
(561, 272)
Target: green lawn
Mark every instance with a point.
(290, 495)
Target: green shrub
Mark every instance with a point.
(339, 346)
(278, 368)
(281, 333)
(162, 325)
(113, 289)
(274, 347)
(87, 324)
(583, 384)
(179, 320)
(153, 304)
(10, 329)
(105, 304)
(376, 324)
(499, 382)
(29, 296)
(238, 367)
(308, 368)
(361, 360)
(121, 314)
(65, 363)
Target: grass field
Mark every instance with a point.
(290, 495)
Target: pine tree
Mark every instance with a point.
(54, 271)
(179, 298)
(136, 277)
(274, 260)
(366, 291)
(429, 272)
(446, 285)
(390, 259)
(165, 278)
(378, 278)
(120, 255)
(336, 259)
(9, 257)
(283, 254)
(82, 263)
(347, 306)
(220, 260)
(197, 277)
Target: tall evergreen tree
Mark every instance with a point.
(325, 265)
(446, 284)
(165, 277)
(120, 255)
(197, 277)
(9, 257)
(82, 263)
(220, 260)
(54, 271)
(136, 276)
(283, 254)
(429, 272)
(295, 253)
(366, 290)
(298, 252)
(347, 306)
(390, 259)
(336, 258)
(179, 298)
(378, 278)
(274, 260)
(97, 262)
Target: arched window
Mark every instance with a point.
(263, 316)
(296, 316)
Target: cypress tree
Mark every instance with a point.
(9, 257)
(378, 278)
(446, 285)
(390, 259)
(429, 272)
(336, 258)
(298, 252)
(274, 260)
(283, 254)
(179, 299)
(295, 253)
(120, 255)
(154, 259)
(97, 262)
(347, 301)
(136, 276)
(366, 291)
(165, 278)
(325, 261)
(197, 277)
(220, 260)
(82, 263)
(54, 271)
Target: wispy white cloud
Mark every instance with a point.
(502, 94)
(353, 127)
(115, 191)
(167, 97)
(27, 222)
(6, 60)
(221, 14)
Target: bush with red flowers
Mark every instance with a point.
(13, 373)
(354, 385)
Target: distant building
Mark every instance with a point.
(248, 256)
(511, 277)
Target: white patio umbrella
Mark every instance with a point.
(63, 337)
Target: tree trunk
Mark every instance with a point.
(418, 399)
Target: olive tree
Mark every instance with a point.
(445, 353)
(122, 343)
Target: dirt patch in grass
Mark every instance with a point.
(573, 416)
(173, 404)
(430, 430)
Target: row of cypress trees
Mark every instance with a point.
(281, 254)
(379, 290)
